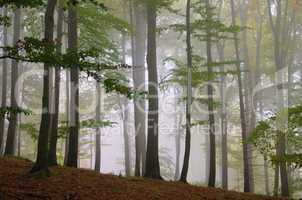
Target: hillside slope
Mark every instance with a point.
(79, 184)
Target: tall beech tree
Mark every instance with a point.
(72, 158)
(4, 85)
(97, 163)
(13, 117)
(152, 158)
(283, 32)
(212, 175)
(139, 58)
(247, 183)
(248, 88)
(185, 168)
(55, 113)
(41, 164)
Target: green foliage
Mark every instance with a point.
(31, 129)
(4, 21)
(294, 160)
(96, 26)
(91, 123)
(267, 132)
(94, 2)
(41, 51)
(13, 111)
(22, 3)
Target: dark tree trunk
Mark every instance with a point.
(4, 86)
(212, 175)
(72, 159)
(13, 118)
(247, 186)
(185, 168)
(52, 158)
(41, 164)
(249, 83)
(152, 159)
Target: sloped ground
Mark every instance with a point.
(79, 184)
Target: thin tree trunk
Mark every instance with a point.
(72, 159)
(126, 139)
(97, 165)
(185, 168)
(279, 28)
(4, 86)
(125, 118)
(67, 115)
(41, 164)
(248, 92)
(152, 159)
(259, 97)
(13, 118)
(178, 120)
(224, 125)
(266, 178)
(247, 186)
(55, 116)
(212, 175)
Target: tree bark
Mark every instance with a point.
(67, 73)
(126, 139)
(152, 159)
(248, 91)
(41, 164)
(13, 118)
(185, 168)
(178, 121)
(4, 86)
(224, 122)
(125, 117)
(279, 30)
(138, 20)
(212, 175)
(97, 165)
(72, 159)
(247, 186)
(55, 116)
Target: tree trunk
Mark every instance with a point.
(248, 92)
(224, 123)
(41, 164)
(178, 121)
(279, 30)
(185, 168)
(212, 175)
(67, 114)
(97, 164)
(125, 117)
(247, 186)
(13, 118)
(152, 159)
(55, 116)
(138, 20)
(126, 139)
(72, 159)
(4, 86)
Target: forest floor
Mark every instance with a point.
(79, 184)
